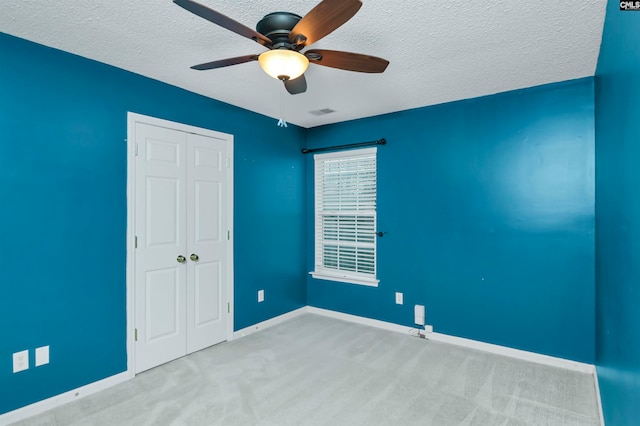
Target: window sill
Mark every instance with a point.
(371, 282)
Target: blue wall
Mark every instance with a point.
(489, 208)
(488, 204)
(63, 217)
(617, 100)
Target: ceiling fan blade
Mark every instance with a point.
(222, 20)
(347, 60)
(322, 20)
(225, 62)
(297, 85)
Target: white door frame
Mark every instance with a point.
(132, 119)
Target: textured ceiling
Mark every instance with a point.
(439, 51)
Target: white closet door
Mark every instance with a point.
(182, 254)
(160, 277)
(207, 241)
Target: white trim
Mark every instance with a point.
(514, 353)
(132, 119)
(269, 323)
(360, 320)
(349, 279)
(159, 122)
(230, 259)
(63, 398)
(598, 398)
(130, 240)
(468, 343)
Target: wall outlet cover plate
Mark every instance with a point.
(42, 356)
(418, 313)
(20, 361)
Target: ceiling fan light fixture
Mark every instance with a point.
(283, 64)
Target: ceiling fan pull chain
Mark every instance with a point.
(282, 122)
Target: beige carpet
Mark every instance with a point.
(314, 370)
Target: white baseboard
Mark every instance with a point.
(63, 398)
(514, 353)
(360, 320)
(598, 398)
(269, 323)
(468, 343)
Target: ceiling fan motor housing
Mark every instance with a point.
(276, 27)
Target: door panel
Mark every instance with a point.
(163, 195)
(163, 300)
(207, 293)
(160, 151)
(207, 157)
(207, 204)
(160, 281)
(207, 183)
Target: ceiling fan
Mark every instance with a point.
(286, 35)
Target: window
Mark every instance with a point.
(345, 217)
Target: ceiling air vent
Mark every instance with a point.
(323, 111)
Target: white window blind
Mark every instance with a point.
(345, 216)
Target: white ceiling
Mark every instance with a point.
(439, 51)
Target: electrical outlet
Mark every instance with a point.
(399, 298)
(42, 356)
(20, 361)
(260, 296)
(428, 328)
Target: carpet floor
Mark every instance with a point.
(313, 370)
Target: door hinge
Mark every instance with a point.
(136, 334)
(135, 242)
(136, 149)
(228, 235)
(228, 308)
(228, 163)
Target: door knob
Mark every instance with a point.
(194, 257)
(181, 259)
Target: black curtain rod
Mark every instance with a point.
(382, 141)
